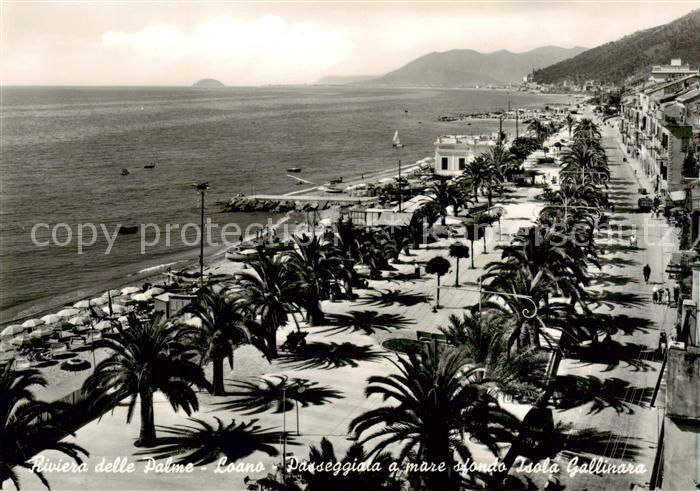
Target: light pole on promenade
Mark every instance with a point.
(202, 188)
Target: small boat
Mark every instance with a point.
(333, 190)
(149, 166)
(293, 169)
(125, 172)
(240, 254)
(337, 180)
(123, 230)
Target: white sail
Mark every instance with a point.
(395, 141)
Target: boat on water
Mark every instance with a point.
(149, 166)
(337, 180)
(333, 190)
(125, 172)
(124, 230)
(293, 169)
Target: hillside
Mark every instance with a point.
(466, 67)
(631, 56)
(208, 83)
(344, 80)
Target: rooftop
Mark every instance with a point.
(467, 140)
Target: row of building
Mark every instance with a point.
(661, 123)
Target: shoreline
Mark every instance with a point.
(212, 258)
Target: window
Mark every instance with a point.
(462, 163)
(445, 163)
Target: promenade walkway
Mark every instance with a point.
(407, 307)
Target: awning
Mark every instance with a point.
(677, 195)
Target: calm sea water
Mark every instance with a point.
(62, 150)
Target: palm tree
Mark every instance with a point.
(271, 293)
(570, 122)
(476, 176)
(430, 404)
(146, 358)
(323, 480)
(538, 130)
(202, 443)
(314, 263)
(28, 426)
(483, 335)
(500, 163)
(444, 196)
(439, 266)
(223, 329)
(458, 251)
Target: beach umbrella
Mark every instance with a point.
(83, 304)
(130, 289)
(32, 323)
(116, 309)
(141, 297)
(193, 321)
(156, 290)
(79, 320)
(11, 330)
(51, 318)
(103, 324)
(17, 340)
(97, 301)
(69, 312)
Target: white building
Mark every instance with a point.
(660, 73)
(454, 152)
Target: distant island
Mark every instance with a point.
(208, 83)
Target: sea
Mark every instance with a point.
(62, 151)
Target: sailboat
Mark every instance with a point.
(395, 142)
(125, 172)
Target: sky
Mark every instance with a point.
(259, 43)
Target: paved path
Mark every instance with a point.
(111, 437)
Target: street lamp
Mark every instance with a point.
(299, 390)
(202, 188)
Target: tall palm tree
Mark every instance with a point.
(431, 404)
(458, 251)
(439, 266)
(147, 358)
(271, 293)
(500, 164)
(223, 329)
(538, 130)
(314, 263)
(483, 335)
(28, 426)
(443, 196)
(477, 176)
(569, 122)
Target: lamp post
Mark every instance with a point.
(202, 188)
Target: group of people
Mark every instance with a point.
(664, 295)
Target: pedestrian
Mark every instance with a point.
(668, 296)
(633, 241)
(676, 294)
(646, 271)
(655, 295)
(661, 296)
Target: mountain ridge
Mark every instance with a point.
(468, 67)
(632, 55)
